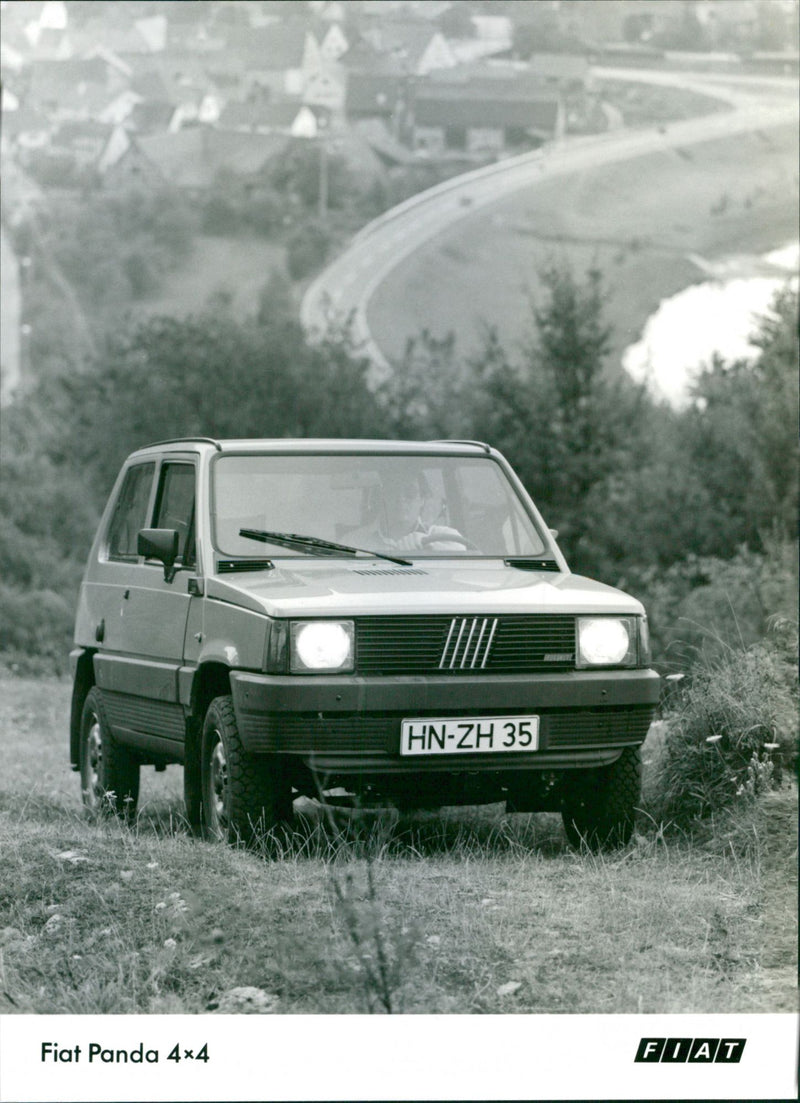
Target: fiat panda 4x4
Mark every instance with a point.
(288, 617)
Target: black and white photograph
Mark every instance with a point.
(398, 549)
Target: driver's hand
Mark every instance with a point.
(444, 538)
(443, 532)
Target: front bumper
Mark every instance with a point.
(352, 723)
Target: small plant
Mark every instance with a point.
(383, 947)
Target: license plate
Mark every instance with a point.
(471, 735)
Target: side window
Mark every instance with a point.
(130, 512)
(175, 507)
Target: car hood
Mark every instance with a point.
(364, 587)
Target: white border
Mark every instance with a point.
(413, 1057)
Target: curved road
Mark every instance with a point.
(345, 288)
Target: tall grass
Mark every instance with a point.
(730, 731)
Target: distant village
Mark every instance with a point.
(150, 93)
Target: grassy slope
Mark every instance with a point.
(234, 268)
(103, 919)
(637, 220)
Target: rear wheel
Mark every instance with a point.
(243, 795)
(109, 771)
(599, 807)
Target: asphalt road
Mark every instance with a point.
(346, 287)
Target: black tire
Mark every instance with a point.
(192, 782)
(599, 806)
(109, 771)
(244, 796)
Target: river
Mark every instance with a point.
(717, 315)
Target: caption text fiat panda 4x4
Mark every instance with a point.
(284, 617)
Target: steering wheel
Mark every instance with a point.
(431, 538)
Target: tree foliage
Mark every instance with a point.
(689, 509)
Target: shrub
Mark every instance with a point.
(702, 606)
(307, 250)
(731, 733)
(36, 629)
(265, 213)
(142, 275)
(220, 217)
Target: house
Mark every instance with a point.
(192, 159)
(120, 108)
(483, 118)
(331, 10)
(24, 130)
(494, 29)
(150, 117)
(153, 30)
(288, 117)
(82, 142)
(192, 28)
(53, 15)
(75, 88)
(377, 135)
(326, 90)
(180, 80)
(11, 59)
(333, 42)
(414, 45)
(565, 71)
(43, 27)
(281, 57)
(116, 147)
(491, 36)
(375, 94)
(115, 32)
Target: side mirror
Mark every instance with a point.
(553, 533)
(159, 544)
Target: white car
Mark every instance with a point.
(285, 617)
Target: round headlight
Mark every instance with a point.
(322, 645)
(603, 641)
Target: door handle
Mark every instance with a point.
(100, 631)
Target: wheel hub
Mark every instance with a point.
(218, 783)
(94, 763)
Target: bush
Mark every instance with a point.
(265, 213)
(702, 606)
(730, 734)
(220, 217)
(36, 629)
(307, 250)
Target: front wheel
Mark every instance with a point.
(599, 807)
(243, 795)
(109, 771)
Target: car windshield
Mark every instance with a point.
(435, 505)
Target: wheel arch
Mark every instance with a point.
(83, 680)
(213, 679)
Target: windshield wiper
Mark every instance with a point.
(315, 544)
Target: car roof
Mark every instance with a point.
(278, 445)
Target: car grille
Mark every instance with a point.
(465, 644)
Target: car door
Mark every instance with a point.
(138, 668)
